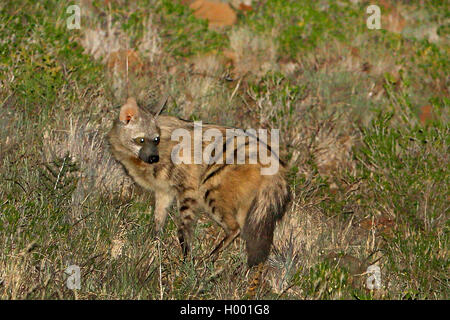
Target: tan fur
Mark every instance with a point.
(236, 196)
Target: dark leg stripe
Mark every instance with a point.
(187, 218)
(208, 192)
(189, 201)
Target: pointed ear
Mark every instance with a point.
(129, 111)
(162, 105)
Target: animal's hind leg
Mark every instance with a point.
(229, 238)
(225, 218)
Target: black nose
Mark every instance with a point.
(153, 159)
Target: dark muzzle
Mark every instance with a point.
(149, 153)
(153, 159)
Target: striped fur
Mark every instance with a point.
(236, 196)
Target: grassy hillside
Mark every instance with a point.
(363, 116)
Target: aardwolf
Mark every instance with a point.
(241, 199)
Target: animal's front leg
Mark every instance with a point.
(188, 220)
(162, 203)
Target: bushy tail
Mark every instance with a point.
(267, 208)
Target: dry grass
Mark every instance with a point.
(360, 195)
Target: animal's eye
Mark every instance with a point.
(156, 139)
(140, 140)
